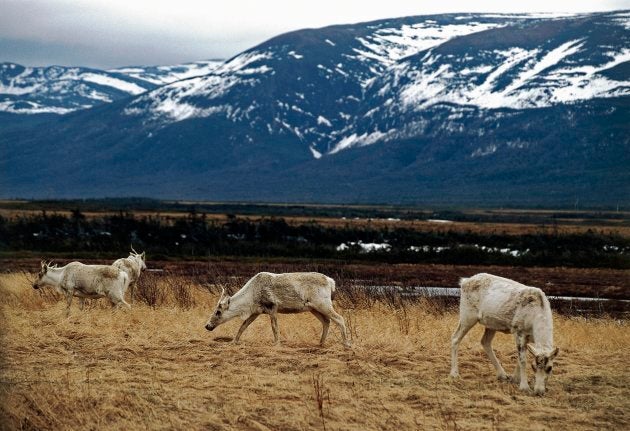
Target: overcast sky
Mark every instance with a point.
(112, 33)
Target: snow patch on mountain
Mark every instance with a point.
(239, 63)
(31, 108)
(324, 121)
(536, 78)
(623, 19)
(174, 102)
(389, 45)
(316, 154)
(355, 140)
(171, 101)
(533, 15)
(108, 81)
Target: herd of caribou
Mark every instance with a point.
(497, 303)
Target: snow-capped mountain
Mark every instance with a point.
(469, 108)
(307, 84)
(60, 90)
(518, 67)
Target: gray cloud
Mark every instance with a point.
(112, 33)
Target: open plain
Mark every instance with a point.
(156, 367)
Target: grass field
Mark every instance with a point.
(158, 368)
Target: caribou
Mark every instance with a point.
(503, 305)
(133, 266)
(268, 293)
(85, 281)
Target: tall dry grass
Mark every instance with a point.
(156, 367)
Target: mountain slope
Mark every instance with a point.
(305, 85)
(60, 90)
(474, 108)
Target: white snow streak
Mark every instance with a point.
(324, 121)
(119, 84)
(32, 108)
(355, 140)
(316, 154)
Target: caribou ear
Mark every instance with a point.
(532, 350)
(43, 263)
(553, 354)
(143, 255)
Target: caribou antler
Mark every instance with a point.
(134, 251)
(29, 277)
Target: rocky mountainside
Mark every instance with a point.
(460, 108)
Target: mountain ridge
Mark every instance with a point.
(64, 89)
(320, 115)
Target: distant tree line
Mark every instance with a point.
(196, 236)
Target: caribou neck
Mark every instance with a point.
(54, 276)
(543, 328)
(241, 304)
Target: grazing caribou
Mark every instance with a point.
(268, 293)
(504, 305)
(133, 265)
(85, 281)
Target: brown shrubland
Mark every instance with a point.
(156, 367)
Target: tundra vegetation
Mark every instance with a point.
(603, 243)
(156, 366)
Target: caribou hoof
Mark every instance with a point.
(515, 380)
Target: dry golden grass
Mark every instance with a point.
(158, 368)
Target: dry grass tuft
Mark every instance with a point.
(156, 367)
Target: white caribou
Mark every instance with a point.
(85, 281)
(504, 305)
(268, 293)
(133, 265)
